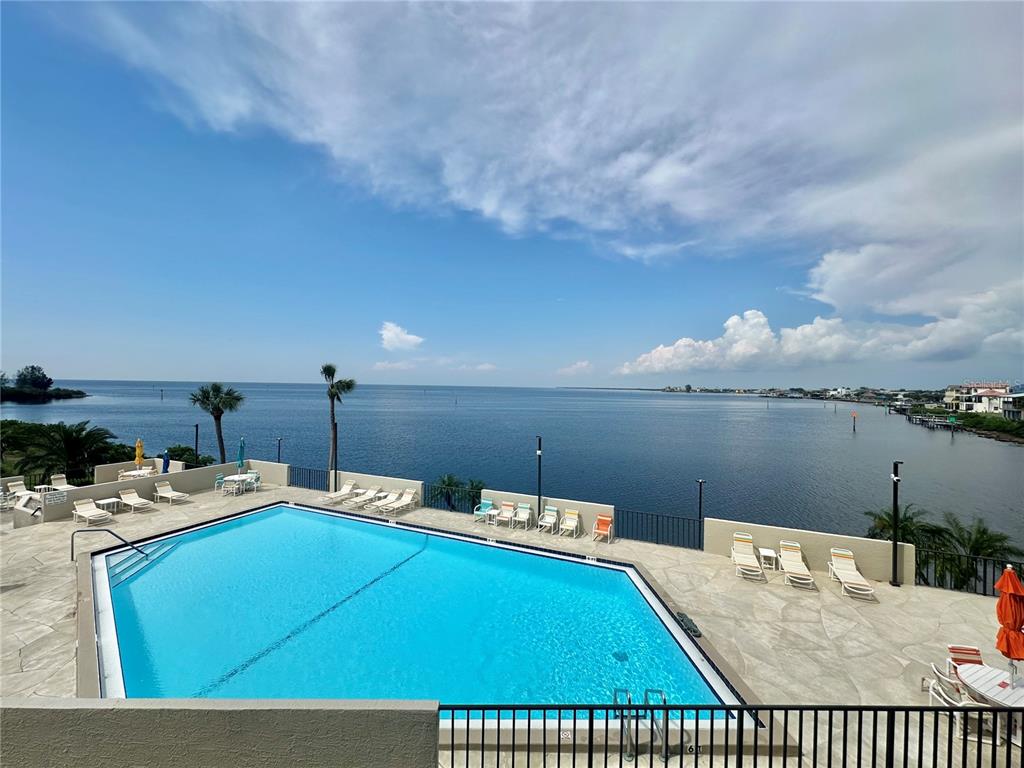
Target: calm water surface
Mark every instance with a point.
(794, 463)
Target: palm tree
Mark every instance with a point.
(216, 400)
(972, 541)
(446, 489)
(335, 389)
(914, 528)
(73, 449)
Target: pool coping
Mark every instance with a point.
(87, 667)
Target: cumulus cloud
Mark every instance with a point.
(394, 337)
(478, 367)
(992, 319)
(580, 366)
(894, 167)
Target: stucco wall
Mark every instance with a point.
(187, 481)
(386, 483)
(106, 473)
(588, 510)
(271, 473)
(227, 733)
(874, 557)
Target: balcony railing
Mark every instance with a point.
(673, 530)
(963, 573)
(545, 735)
(307, 477)
(450, 498)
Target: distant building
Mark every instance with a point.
(976, 397)
(840, 392)
(1013, 405)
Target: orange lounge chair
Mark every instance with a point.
(603, 527)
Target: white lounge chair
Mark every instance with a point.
(131, 498)
(407, 501)
(548, 519)
(481, 510)
(745, 558)
(843, 568)
(379, 504)
(347, 490)
(17, 488)
(523, 516)
(976, 728)
(253, 480)
(164, 491)
(60, 483)
(506, 514)
(791, 559)
(570, 523)
(364, 498)
(86, 510)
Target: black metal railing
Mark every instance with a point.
(964, 573)
(674, 530)
(651, 735)
(307, 477)
(451, 498)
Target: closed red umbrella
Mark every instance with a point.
(1010, 613)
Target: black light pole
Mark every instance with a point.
(539, 510)
(700, 512)
(197, 443)
(279, 449)
(895, 580)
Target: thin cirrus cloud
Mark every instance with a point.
(394, 365)
(394, 337)
(574, 369)
(883, 139)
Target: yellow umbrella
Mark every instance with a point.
(138, 453)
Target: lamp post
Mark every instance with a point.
(895, 477)
(539, 452)
(197, 444)
(700, 512)
(279, 449)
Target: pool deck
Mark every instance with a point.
(788, 646)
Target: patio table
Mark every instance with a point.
(993, 685)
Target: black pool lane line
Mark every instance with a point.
(206, 690)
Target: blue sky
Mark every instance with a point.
(600, 196)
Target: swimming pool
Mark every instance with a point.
(294, 602)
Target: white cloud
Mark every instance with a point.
(989, 320)
(394, 336)
(580, 366)
(479, 367)
(394, 365)
(895, 168)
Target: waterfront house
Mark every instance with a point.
(1013, 405)
(976, 397)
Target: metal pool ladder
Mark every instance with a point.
(659, 727)
(628, 715)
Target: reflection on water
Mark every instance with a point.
(796, 463)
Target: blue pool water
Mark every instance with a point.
(292, 603)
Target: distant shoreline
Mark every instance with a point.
(29, 396)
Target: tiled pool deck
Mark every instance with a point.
(788, 646)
